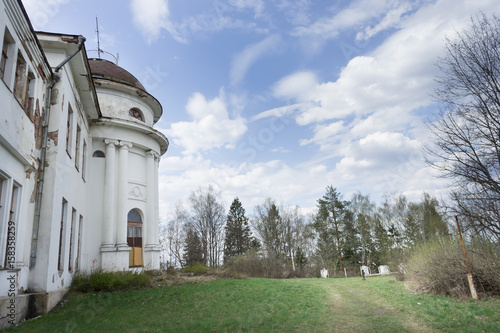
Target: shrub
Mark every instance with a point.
(110, 281)
(439, 267)
(196, 269)
(248, 264)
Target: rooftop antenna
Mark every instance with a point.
(99, 50)
(98, 41)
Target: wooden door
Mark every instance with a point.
(134, 238)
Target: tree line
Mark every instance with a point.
(280, 241)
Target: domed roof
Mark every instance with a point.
(105, 69)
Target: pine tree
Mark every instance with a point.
(300, 259)
(332, 210)
(350, 243)
(381, 242)
(193, 249)
(238, 235)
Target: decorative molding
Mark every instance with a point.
(137, 192)
(152, 153)
(111, 142)
(125, 144)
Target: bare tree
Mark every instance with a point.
(467, 136)
(207, 218)
(173, 235)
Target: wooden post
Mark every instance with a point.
(469, 275)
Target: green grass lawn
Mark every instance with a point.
(378, 304)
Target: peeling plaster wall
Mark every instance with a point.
(63, 179)
(20, 138)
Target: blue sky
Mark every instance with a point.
(280, 98)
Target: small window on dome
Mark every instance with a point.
(99, 153)
(136, 113)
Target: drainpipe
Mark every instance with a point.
(43, 152)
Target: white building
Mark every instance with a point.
(78, 166)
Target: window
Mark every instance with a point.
(62, 232)
(84, 159)
(69, 128)
(21, 80)
(79, 244)
(7, 59)
(136, 113)
(10, 227)
(28, 104)
(134, 237)
(4, 58)
(73, 221)
(77, 147)
(99, 154)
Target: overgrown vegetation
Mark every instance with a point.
(439, 267)
(99, 280)
(196, 269)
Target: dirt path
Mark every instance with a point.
(354, 307)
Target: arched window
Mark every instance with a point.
(99, 153)
(134, 237)
(136, 113)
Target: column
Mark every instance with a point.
(109, 205)
(122, 211)
(150, 203)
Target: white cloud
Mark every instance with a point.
(279, 111)
(251, 182)
(391, 19)
(299, 86)
(244, 60)
(355, 14)
(210, 127)
(151, 16)
(323, 134)
(397, 75)
(256, 5)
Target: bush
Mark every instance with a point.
(439, 267)
(110, 281)
(196, 269)
(248, 264)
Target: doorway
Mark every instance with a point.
(134, 237)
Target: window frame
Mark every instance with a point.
(71, 243)
(77, 147)
(10, 203)
(99, 152)
(136, 113)
(84, 159)
(10, 52)
(69, 131)
(20, 80)
(62, 235)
